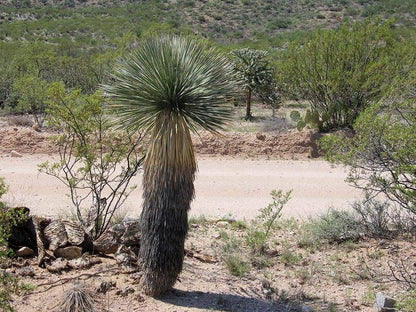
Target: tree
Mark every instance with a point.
(255, 76)
(95, 162)
(381, 154)
(341, 72)
(31, 94)
(168, 87)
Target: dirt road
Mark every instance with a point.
(224, 186)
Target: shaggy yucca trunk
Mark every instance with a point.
(168, 87)
(168, 190)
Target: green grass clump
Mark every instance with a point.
(237, 265)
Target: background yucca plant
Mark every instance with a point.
(168, 87)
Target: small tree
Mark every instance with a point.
(31, 93)
(341, 72)
(96, 162)
(381, 154)
(255, 75)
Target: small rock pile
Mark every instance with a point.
(63, 244)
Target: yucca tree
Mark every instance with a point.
(168, 87)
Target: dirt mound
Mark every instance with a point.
(25, 140)
(286, 145)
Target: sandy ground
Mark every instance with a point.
(225, 187)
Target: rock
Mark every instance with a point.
(70, 252)
(106, 286)
(201, 257)
(83, 262)
(74, 232)
(306, 309)
(36, 127)
(125, 291)
(265, 284)
(55, 235)
(15, 154)
(23, 234)
(106, 243)
(57, 266)
(260, 136)
(222, 224)
(125, 256)
(25, 252)
(384, 303)
(131, 235)
(25, 271)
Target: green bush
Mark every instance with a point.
(381, 154)
(260, 230)
(95, 159)
(236, 265)
(9, 284)
(369, 218)
(341, 72)
(295, 115)
(31, 94)
(336, 226)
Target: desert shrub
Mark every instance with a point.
(341, 72)
(237, 265)
(261, 229)
(368, 218)
(31, 92)
(335, 226)
(96, 161)
(380, 219)
(232, 254)
(8, 219)
(295, 115)
(9, 284)
(381, 154)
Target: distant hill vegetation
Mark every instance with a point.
(77, 42)
(228, 21)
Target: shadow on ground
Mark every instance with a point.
(226, 302)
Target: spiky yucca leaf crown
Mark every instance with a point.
(175, 76)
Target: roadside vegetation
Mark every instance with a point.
(9, 284)
(346, 68)
(332, 262)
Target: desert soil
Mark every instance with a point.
(236, 174)
(235, 177)
(224, 187)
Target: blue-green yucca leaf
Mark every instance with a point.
(172, 75)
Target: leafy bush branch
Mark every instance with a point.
(96, 162)
(381, 154)
(261, 229)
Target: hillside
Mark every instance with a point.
(101, 23)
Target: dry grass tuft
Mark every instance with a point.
(78, 299)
